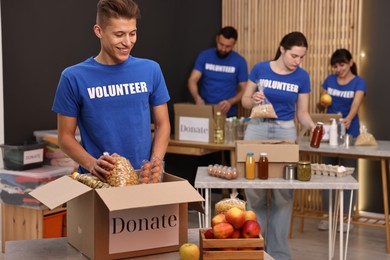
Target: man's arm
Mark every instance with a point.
(228, 103)
(193, 86)
(71, 147)
(162, 131)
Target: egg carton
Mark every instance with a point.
(331, 170)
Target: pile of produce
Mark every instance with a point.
(235, 223)
(123, 174)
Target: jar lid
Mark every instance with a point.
(320, 123)
(304, 162)
(249, 153)
(263, 154)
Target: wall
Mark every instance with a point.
(42, 37)
(374, 68)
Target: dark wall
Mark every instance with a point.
(42, 37)
(375, 69)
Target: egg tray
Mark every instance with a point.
(331, 170)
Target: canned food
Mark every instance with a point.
(304, 171)
(290, 172)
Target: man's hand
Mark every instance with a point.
(225, 106)
(102, 166)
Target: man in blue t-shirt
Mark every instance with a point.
(221, 72)
(112, 98)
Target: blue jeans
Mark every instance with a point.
(347, 162)
(275, 221)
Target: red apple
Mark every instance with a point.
(250, 214)
(189, 251)
(219, 218)
(236, 217)
(236, 233)
(223, 230)
(326, 100)
(250, 229)
(209, 234)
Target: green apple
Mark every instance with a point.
(189, 251)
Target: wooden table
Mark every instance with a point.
(199, 148)
(381, 153)
(58, 248)
(204, 183)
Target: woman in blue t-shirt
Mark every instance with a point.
(287, 87)
(347, 90)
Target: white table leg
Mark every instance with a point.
(330, 226)
(348, 226)
(201, 217)
(341, 224)
(207, 207)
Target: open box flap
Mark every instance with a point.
(59, 191)
(148, 195)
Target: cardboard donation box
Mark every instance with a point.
(279, 153)
(122, 222)
(194, 122)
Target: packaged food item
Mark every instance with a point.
(151, 171)
(365, 138)
(123, 174)
(224, 205)
(250, 166)
(90, 180)
(221, 171)
(263, 110)
(263, 167)
(318, 133)
(304, 171)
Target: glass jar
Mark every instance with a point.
(304, 171)
(318, 133)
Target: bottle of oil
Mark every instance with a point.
(263, 167)
(218, 128)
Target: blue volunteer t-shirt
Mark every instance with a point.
(342, 98)
(220, 76)
(281, 90)
(112, 105)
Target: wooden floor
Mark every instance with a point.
(365, 243)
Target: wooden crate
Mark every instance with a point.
(231, 248)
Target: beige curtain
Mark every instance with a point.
(327, 24)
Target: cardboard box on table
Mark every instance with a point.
(195, 122)
(279, 153)
(114, 223)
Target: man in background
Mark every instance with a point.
(220, 74)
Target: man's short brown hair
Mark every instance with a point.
(107, 9)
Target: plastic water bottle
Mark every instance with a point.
(218, 128)
(341, 131)
(227, 134)
(250, 166)
(333, 140)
